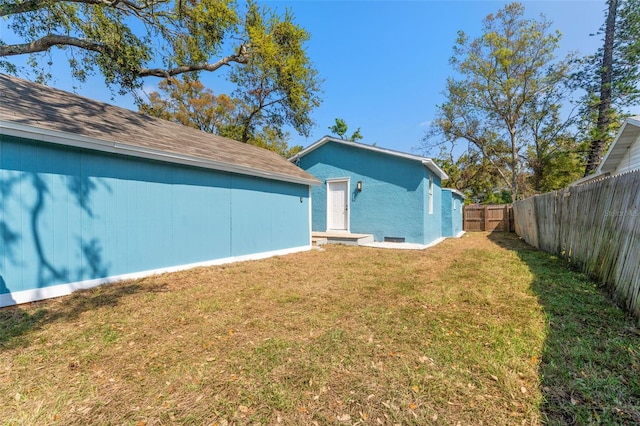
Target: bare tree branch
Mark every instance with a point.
(240, 57)
(49, 41)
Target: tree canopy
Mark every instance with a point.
(610, 78)
(188, 102)
(127, 40)
(276, 85)
(340, 128)
(501, 102)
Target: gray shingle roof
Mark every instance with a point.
(47, 109)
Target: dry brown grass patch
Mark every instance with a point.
(342, 335)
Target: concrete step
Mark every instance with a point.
(318, 241)
(343, 238)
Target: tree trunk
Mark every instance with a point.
(606, 75)
(514, 166)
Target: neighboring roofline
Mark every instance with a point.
(455, 191)
(600, 172)
(427, 162)
(69, 139)
(634, 121)
(590, 178)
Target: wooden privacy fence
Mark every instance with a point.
(487, 218)
(595, 226)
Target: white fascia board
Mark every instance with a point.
(635, 120)
(429, 163)
(311, 147)
(85, 142)
(455, 191)
(424, 160)
(631, 121)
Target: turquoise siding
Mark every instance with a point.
(452, 206)
(71, 215)
(394, 198)
(433, 220)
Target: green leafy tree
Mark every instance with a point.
(127, 40)
(340, 128)
(277, 86)
(553, 156)
(188, 102)
(274, 140)
(610, 78)
(475, 176)
(501, 74)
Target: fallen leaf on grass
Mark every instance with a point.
(343, 418)
(423, 359)
(391, 406)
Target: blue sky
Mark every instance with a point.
(385, 63)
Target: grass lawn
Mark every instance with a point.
(479, 330)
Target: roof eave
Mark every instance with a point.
(455, 191)
(429, 163)
(312, 147)
(68, 139)
(607, 166)
(589, 178)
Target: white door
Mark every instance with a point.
(338, 205)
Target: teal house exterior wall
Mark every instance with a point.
(73, 218)
(394, 200)
(452, 207)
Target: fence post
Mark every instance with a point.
(485, 211)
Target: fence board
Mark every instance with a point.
(595, 226)
(492, 217)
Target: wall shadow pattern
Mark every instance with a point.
(30, 191)
(590, 365)
(16, 322)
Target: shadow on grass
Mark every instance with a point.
(16, 322)
(590, 364)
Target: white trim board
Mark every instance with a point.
(26, 296)
(427, 162)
